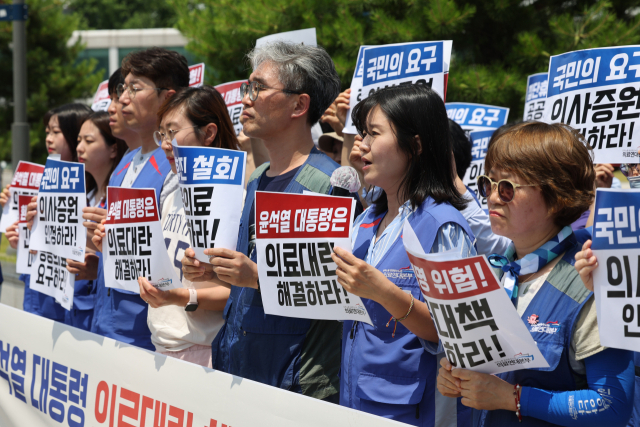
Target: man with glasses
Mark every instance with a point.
(150, 76)
(289, 89)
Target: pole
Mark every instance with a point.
(20, 127)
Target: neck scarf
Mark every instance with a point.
(532, 262)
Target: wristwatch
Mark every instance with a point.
(192, 305)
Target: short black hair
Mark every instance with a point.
(461, 148)
(165, 68)
(416, 110)
(115, 79)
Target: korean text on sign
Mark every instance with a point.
(102, 99)
(26, 181)
(196, 75)
(356, 90)
(596, 91)
(134, 244)
(49, 275)
(57, 227)
(24, 258)
(536, 96)
(295, 237)
(480, 143)
(233, 99)
(478, 326)
(211, 185)
(616, 244)
(474, 117)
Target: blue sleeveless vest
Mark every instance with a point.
(557, 303)
(258, 346)
(38, 303)
(120, 314)
(395, 377)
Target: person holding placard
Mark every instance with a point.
(540, 178)
(385, 370)
(184, 326)
(290, 87)
(151, 77)
(100, 152)
(62, 126)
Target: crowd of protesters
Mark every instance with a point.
(540, 180)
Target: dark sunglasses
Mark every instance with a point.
(506, 188)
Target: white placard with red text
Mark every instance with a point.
(196, 75)
(295, 237)
(26, 181)
(54, 375)
(57, 226)
(101, 100)
(233, 99)
(477, 324)
(134, 245)
(24, 258)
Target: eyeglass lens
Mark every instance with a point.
(505, 189)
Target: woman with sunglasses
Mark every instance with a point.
(385, 369)
(184, 321)
(540, 178)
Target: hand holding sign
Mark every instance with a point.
(4, 196)
(483, 391)
(87, 270)
(233, 267)
(194, 270)
(12, 234)
(586, 262)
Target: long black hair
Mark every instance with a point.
(70, 119)
(416, 110)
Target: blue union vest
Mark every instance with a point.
(120, 314)
(395, 377)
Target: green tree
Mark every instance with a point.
(53, 76)
(120, 14)
(496, 43)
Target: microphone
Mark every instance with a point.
(344, 181)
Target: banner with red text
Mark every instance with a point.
(26, 181)
(477, 324)
(102, 98)
(54, 375)
(24, 258)
(134, 244)
(295, 237)
(196, 75)
(233, 99)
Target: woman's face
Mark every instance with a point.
(56, 144)
(384, 164)
(176, 125)
(93, 150)
(526, 219)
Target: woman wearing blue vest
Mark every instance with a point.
(407, 152)
(540, 178)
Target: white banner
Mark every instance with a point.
(404, 63)
(134, 244)
(480, 143)
(49, 275)
(57, 227)
(295, 237)
(595, 91)
(536, 96)
(475, 117)
(212, 188)
(55, 375)
(615, 243)
(24, 258)
(486, 333)
(306, 36)
(26, 181)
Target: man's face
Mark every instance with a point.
(140, 110)
(271, 112)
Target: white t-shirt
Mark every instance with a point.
(172, 328)
(137, 164)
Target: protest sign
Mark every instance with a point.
(536, 96)
(54, 375)
(617, 247)
(477, 324)
(101, 100)
(378, 67)
(24, 258)
(196, 75)
(133, 230)
(212, 188)
(480, 143)
(233, 99)
(474, 117)
(306, 36)
(57, 227)
(595, 91)
(295, 237)
(49, 275)
(26, 181)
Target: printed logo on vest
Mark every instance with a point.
(517, 359)
(403, 273)
(547, 328)
(533, 319)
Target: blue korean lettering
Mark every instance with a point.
(209, 165)
(62, 177)
(617, 220)
(18, 365)
(5, 355)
